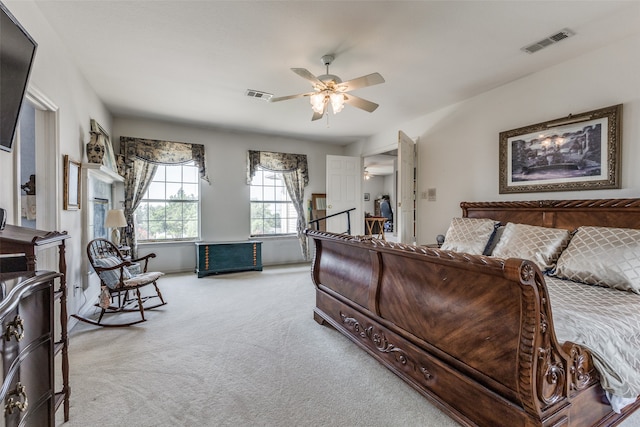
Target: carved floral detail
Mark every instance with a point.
(527, 272)
(552, 376)
(581, 377)
(378, 339)
(551, 371)
(426, 373)
(536, 343)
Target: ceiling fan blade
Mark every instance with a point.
(360, 82)
(306, 74)
(284, 98)
(361, 103)
(317, 116)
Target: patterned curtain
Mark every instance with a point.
(142, 157)
(164, 152)
(138, 176)
(295, 173)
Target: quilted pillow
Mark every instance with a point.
(603, 256)
(469, 235)
(111, 278)
(541, 245)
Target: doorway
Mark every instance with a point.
(380, 180)
(48, 162)
(27, 146)
(402, 185)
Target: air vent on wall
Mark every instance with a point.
(257, 94)
(554, 38)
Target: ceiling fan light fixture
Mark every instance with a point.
(329, 88)
(337, 102)
(317, 102)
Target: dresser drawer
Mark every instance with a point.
(27, 349)
(29, 379)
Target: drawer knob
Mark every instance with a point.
(15, 329)
(21, 403)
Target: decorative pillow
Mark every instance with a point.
(111, 278)
(469, 235)
(603, 256)
(494, 239)
(541, 245)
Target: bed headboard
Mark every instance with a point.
(568, 214)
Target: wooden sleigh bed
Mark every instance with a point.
(474, 334)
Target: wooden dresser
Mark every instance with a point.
(28, 348)
(226, 257)
(19, 247)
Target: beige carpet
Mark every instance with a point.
(239, 349)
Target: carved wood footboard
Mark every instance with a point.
(473, 334)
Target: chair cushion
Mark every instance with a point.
(143, 279)
(111, 278)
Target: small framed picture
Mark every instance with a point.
(367, 196)
(71, 196)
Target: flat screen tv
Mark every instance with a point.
(17, 50)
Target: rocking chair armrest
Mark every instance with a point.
(145, 259)
(115, 267)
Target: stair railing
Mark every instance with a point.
(316, 221)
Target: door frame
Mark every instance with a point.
(390, 147)
(47, 123)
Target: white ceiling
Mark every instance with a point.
(192, 61)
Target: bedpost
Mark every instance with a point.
(543, 390)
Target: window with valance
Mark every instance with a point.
(295, 174)
(142, 157)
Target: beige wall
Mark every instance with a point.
(458, 145)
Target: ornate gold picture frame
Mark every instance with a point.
(577, 152)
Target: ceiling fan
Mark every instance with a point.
(330, 89)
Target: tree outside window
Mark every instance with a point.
(272, 212)
(170, 207)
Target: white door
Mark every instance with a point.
(406, 189)
(344, 187)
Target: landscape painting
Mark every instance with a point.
(575, 153)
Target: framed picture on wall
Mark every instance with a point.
(578, 152)
(71, 193)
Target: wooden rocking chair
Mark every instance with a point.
(121, 280)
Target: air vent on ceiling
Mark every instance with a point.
(257, 94)
(554, 38)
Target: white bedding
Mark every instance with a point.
(607, 322)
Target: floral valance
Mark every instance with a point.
(277, 162)
(164, 152)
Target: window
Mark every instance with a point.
(272, 211)
(170, 208)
